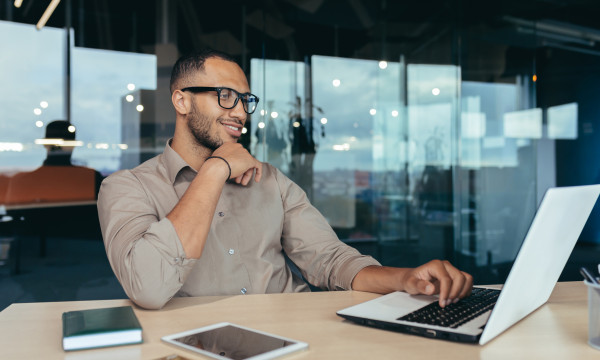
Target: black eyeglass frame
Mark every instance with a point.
(200, 89)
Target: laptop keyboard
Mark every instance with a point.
(454, 315)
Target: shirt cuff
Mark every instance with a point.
(170, 247)
(349, 270)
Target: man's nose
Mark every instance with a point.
(238, 110)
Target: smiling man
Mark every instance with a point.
(207, 218)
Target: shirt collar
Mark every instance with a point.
(173, 162)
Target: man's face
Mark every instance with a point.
(210, 124)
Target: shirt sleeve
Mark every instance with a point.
(143, 249)
(310, 242)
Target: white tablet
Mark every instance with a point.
(231, 342)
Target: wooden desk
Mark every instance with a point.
(558, 330)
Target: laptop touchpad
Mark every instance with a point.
(401, 303)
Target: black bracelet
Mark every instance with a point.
(218, 157)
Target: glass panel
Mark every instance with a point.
(432, 108)
(445, 153)
(563, 121)
(106, 84)
(345, 90)
(32, 92)
(497, 175)
(280, 124)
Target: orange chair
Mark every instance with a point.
(4, 180)
(52, 184)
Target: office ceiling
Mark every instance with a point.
(291, 29)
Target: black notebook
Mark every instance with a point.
(94, 328)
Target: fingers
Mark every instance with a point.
(443, 278)
(242, 163)
(457, 284)
(466, 291)
(419, 282)
(258, 174)
(426, 287)
(445, 283)
(246, 177)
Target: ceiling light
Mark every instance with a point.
(49, 10)
(58, 142)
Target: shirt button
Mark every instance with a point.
(231, 251)
(244, 291)
(221, 214)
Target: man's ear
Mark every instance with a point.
(180, 102)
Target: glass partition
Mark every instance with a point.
(33, 92)
(101, 80)
(417, 137)
(407, 158)
(34, 99)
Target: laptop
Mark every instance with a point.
(548, 244)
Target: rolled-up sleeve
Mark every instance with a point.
(142, 245)
(310, 242)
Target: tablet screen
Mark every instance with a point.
(229, 341)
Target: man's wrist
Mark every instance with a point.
(224, 164)
(380, 279)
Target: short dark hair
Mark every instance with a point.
(59, 129)
(194, 62)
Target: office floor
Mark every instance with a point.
(77, 269)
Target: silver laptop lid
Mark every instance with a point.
(552, 235)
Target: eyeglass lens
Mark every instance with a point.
(228, 98)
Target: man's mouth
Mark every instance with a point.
(232, 128)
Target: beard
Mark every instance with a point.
(199, 125)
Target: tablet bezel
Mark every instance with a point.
(272, 354)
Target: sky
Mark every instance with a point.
(100, 79)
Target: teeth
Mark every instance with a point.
(232, 127)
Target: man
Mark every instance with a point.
(57, 180)
(207, 218)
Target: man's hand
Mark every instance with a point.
(438, 277)
(241, 162)
(194, 212)
(434, 277)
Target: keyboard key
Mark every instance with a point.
(455, 315)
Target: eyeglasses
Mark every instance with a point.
(228, 98)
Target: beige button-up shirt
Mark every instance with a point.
(252, 228)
